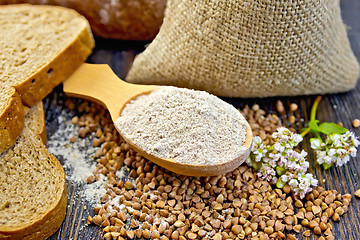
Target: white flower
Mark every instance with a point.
(282, 154)
(293, 183)
(280, 146)
(275, 156)
(314, 182)
(285, 178)
(257, 141)
(284, 135)
(341, 161)
(303, 154)
(356, 141)
(259, 154)
(273, 163)
(351, 137)
(279, 158)
(333, 138)
(303, 184)
(332, 152)
(337, 148)
(266, 173)
(290, 165)
(328, 159)
(297, 139)
(353, 151)
(315, 143)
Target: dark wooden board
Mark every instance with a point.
(339, 107)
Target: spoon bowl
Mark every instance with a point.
(98, 83)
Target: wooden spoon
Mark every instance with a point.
(98, 83)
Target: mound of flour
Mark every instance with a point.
(191, 127)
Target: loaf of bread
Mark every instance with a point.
(125, 19)
(40, 46)
(32, 184)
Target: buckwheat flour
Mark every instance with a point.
(191, 127)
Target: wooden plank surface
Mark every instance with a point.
(338, 108)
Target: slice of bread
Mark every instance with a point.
(40, 46)
(32, 184)
(12, 116)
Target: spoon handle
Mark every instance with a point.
(98, 83)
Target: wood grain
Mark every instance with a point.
(338, 108)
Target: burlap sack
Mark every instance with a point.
(250, 48)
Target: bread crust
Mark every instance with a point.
(11, 121)
(40, 84)
(125, 19)
(37, 86)
(49, 223)
(44, 227)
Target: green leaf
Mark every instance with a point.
(280, 183)
(280, 171)
(313, 125)
(256, 165)
(271, 148)
(326, 166)
(330, 127)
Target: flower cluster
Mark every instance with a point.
(339, 145)
(337, 149)
(281, 163)
(300, 183)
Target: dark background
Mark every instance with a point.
(337, 108)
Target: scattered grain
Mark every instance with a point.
(293, 107)
(279, 106)
(163, 205)
(357, 193)
(356, 123)
(307, 233)
(292, 119)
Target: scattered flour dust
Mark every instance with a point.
(94, 191)
(78, 159)
(189, 126)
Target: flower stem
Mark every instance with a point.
(307, 130)
(312, 115)
(318, 136)
(314, 108)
